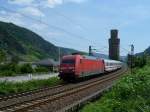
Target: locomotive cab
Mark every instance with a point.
(74, 67)
(67, 68)
(67, 65)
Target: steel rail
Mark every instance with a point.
(50, 98)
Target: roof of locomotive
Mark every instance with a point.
(90, 57)
(81, 56)
(69, 56)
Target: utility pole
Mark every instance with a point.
(90, 50)
(132, 57)
(59, 55)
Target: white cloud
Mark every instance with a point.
(53, 3)
(75, 1)
(21, 2)
(11, 17)
(43, 3)
(32, 11)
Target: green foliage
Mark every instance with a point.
(2, 56)
(27, 45)
(9, 87)
(26, 68)
(7, 73)
(131, 94)
(41, 69)
(140, 61)
(137, 61)
(7, 70)
(13, 69)
(15, 59)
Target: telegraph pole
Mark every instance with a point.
(90, 50)
(59, 55)
(132, 57)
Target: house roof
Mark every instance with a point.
(47, 62)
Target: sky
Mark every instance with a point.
(79, 23)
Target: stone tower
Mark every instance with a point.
(114, 45)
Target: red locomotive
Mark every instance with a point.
(77, 66)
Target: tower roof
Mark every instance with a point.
(114, 33)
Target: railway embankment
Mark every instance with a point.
(7, 87)
(64, 97)
(130, 94)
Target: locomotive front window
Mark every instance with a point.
(71, 61)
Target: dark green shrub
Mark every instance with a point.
(26, 68)
(9, 87)
(41, 69)
(7, 73)
(130, 94)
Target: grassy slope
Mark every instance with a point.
(131, 94)
(27, 45)
(10, 88)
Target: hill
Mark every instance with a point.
(27, 45)
(146, 51)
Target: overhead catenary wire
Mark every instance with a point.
(70, 20)
(61, 29)
(125, 49)
(68, 43)
(54, 27)
(33, 19)
(51, 26)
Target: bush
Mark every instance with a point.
(131, 94)
(41, 69)
(9, 87)
(7, 73)
(26, 68)
(7, 70)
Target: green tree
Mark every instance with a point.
(26, 68)
(2, 56)
(15, 59)
(137, 61)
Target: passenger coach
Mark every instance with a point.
(111, 65)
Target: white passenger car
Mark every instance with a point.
(111, 65)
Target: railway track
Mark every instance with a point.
(56, 98)
(26, 93)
